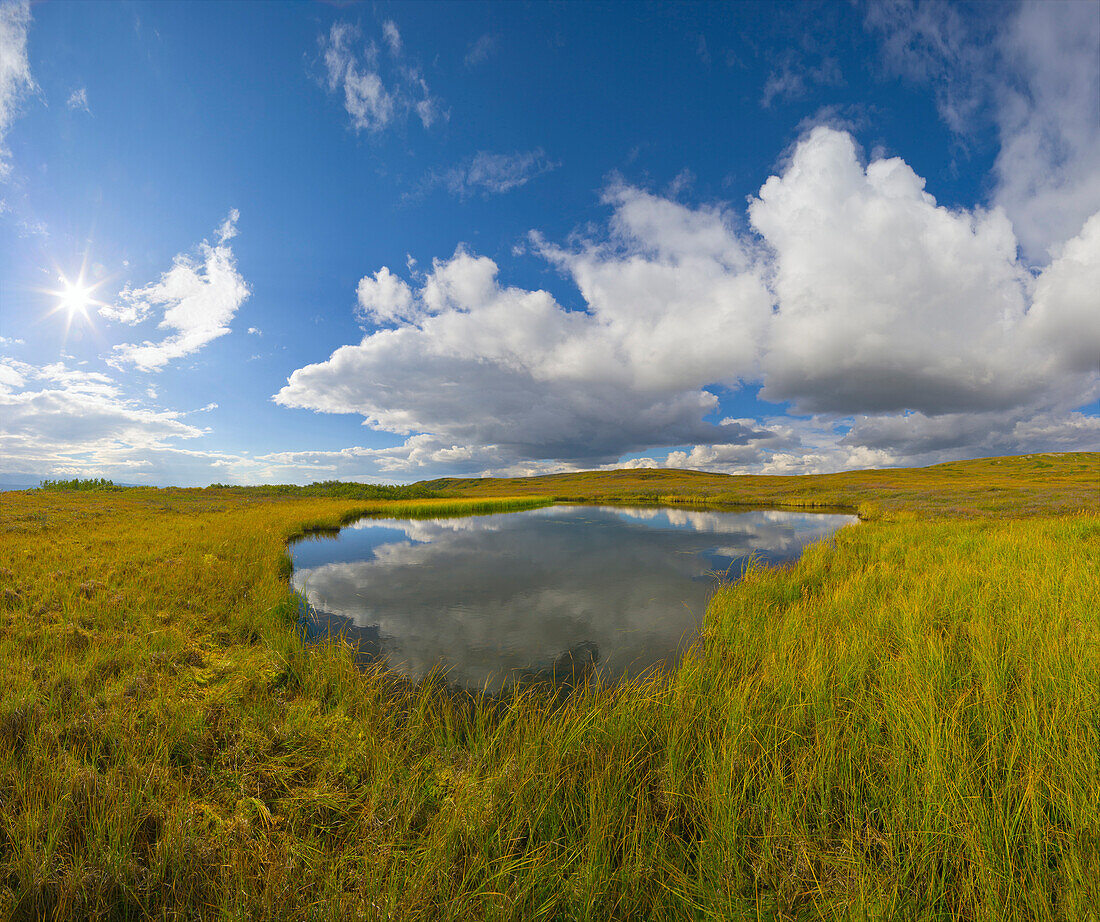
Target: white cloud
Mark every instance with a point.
(371, 101)
(863, 301)
(78, 100)
(15, 70)
(479, 51)
(793, 77)
(1036, 71)
(365, 98)
(919, 436)
(479, 364)
(59, 421)
(1048, 168)
(385, 298)
(932, 43)
(57, 418)
(196, 299)
(1065, 312)
(487, 173)
(227, 230)
(489, 365)
(887, 301)
(392, 36)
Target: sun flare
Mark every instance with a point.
(74, 297)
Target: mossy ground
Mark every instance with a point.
(904, 724)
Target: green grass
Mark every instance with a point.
(80, 483)
(905, 724)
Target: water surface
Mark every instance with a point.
(543, 593)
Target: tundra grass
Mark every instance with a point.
(1021, 485)
(904, 724)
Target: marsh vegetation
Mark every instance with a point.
(903, 724)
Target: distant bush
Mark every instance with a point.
(335, 489)
(80, 483)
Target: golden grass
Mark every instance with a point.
(904, 724)
(1028, 484)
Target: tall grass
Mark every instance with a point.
(905, 724)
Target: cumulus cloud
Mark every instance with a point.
(196, 300)
(487, 173)
(887, 301)
(15, 70)
(1037, 71)
(1048, 168)
(356, 71)
(1064, 316)
(476, 363)
(918, 436)
(903, 326)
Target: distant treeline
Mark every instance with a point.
(331, 488)
(336, 489)
(80, 483)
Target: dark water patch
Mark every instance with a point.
(558, 595)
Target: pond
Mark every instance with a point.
(558, 593)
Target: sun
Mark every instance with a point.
(74, 297)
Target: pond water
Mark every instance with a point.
(556, 593)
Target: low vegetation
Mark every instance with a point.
(79, 483)
(905, 724)
(1019, 486)
(334, 489)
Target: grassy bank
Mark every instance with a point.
(905, 724)
(1017, 486)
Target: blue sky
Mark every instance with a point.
(386, 241)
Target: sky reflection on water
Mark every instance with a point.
(492, 598)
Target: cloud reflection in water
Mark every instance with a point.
(489, 598)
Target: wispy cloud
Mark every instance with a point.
(78, 100)
(59, 418)
(793, 77)
(15, 71)
(196, 300)
(392, 36)
(933, 44)
(370, 99)
(479, 51)
(487, 173)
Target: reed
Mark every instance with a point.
(903, 724)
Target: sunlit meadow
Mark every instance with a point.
(903, 724)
